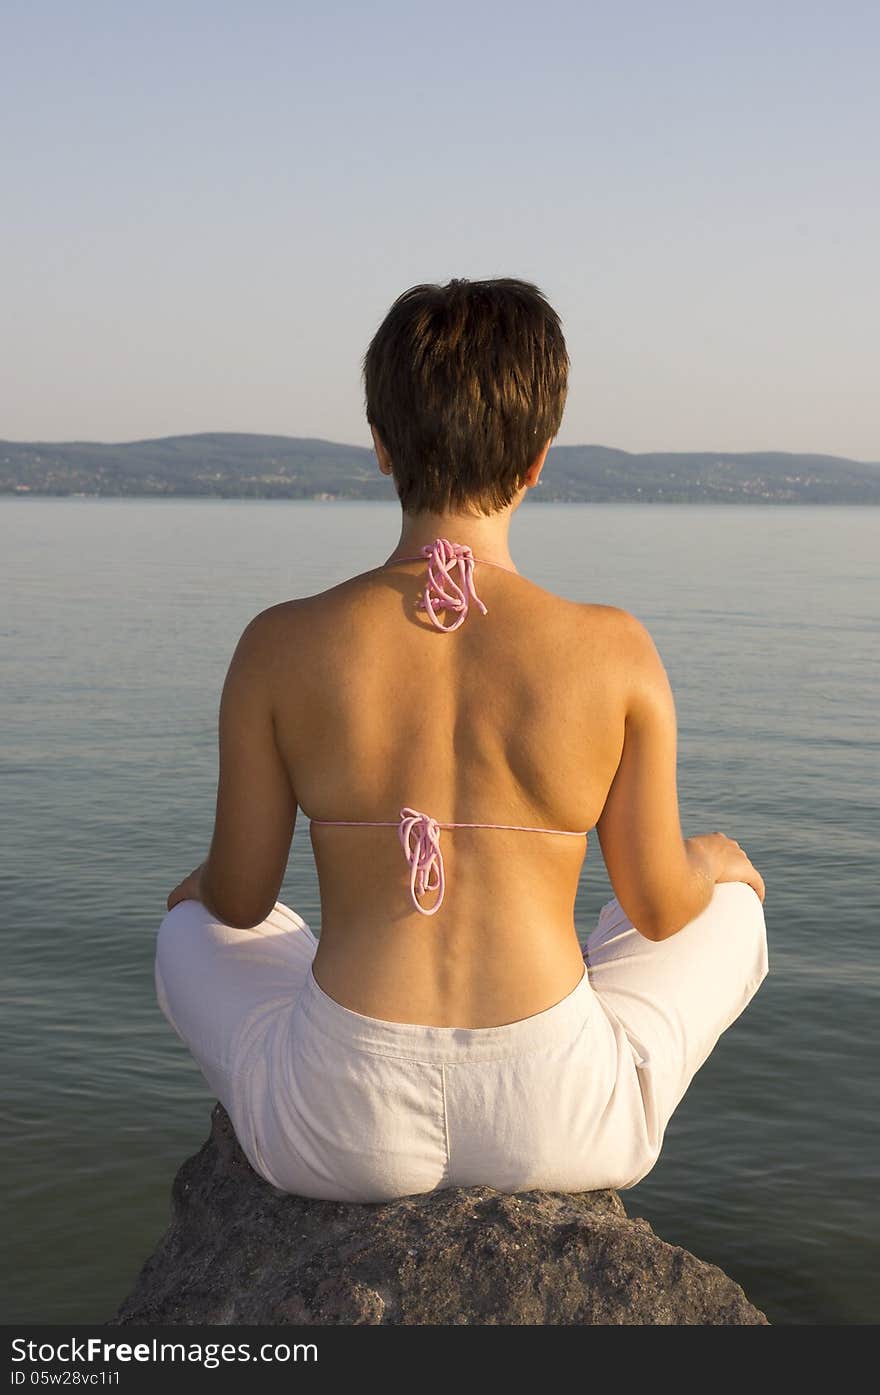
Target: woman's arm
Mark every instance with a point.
(256, 807)
(661, 880)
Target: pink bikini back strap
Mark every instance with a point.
(419, 835)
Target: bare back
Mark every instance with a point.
(517, 717)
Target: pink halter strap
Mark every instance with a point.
(443, 592)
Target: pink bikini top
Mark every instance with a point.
(420, 833)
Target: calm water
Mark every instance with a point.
(118, 622)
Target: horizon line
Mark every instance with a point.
(325, 440)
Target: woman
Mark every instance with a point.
(453, 732)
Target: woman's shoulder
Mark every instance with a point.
(613, 619)
(615, 635)
(298, 609)
(629, 629)
(303, 620)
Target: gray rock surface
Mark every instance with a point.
(238, 1251)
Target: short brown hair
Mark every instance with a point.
(465, 383)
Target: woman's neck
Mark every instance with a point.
(487, 537)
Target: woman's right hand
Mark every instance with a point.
(726, 860)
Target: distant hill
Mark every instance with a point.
(240, 465)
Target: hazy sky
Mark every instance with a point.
(209, 207)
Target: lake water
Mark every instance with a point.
(118, 621)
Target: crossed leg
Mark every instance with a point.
(675, 997)
(220, 987)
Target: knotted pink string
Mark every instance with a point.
(420, 840)
(444, 593)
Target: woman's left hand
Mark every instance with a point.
(190, 889)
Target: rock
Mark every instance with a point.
(239, 1251)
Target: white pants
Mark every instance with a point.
(330, 1103)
